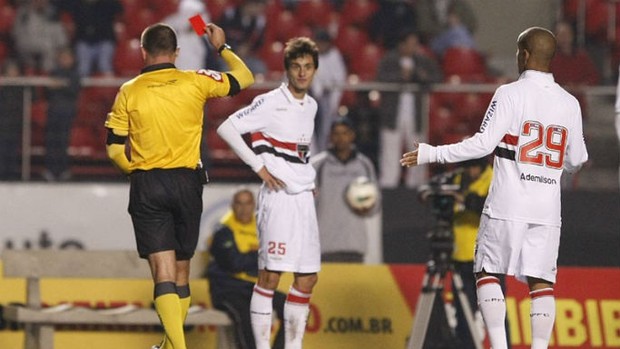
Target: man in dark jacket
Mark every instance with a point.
(233, 268)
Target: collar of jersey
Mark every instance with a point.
(538, 75)
(155, 67)
(289, 95)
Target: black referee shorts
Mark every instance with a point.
(165, 208)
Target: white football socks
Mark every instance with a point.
(296, 311)
(493, 308)
(261, 308)
(542, 317)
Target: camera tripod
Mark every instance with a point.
(430, 302)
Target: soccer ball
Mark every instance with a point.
(361, 194)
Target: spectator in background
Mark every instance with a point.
(432, 17)
(327, 88)
(256, 65)
(193, 56)
(38, 34)
(233, 268)
(11, 112)
(343, 230)
(245, 23)
(618, 113)
(62, 108)
(456, 34)
(393, 17)
(364, 115)
(94, 34)
(400, 124)
(571, 66)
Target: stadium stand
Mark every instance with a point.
(348, 21)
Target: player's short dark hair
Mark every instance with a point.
(344, 121)
(159, 39)
(299, 47)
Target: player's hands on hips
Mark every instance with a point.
(216, 35)
(410, 158)
(271, 182)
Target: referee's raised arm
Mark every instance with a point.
(239, 75)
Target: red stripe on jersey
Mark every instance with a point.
(291, 298)
(274, 142)
(487, 280)
(263, 292)
(510, 139)
(541, 293)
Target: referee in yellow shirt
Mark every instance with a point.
(159, 114)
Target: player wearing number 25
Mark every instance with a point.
(534, 127)
(281, 123)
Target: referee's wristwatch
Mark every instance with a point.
(225, 46)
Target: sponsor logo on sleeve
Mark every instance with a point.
(214, 75)
(247, 111)
(489, 114)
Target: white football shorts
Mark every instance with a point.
(517, 248)
(288, 232)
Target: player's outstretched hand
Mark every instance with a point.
(216, 35)
(272, 182)
(410, 158)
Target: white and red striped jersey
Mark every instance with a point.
(281, 128)
(534, 127)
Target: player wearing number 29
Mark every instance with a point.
(535, 129)
(281, 123)
(159, 114)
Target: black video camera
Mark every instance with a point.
(440, 193)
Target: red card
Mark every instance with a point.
(198, 24)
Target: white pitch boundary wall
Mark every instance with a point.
(96, 216)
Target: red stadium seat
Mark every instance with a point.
(217, 8)
(4, 51)
(163, 8)
(272, 55)
(128, 58)
(350, 41)
(7, 17)
(221, 108)
(365, 64)
(281, 28)
(466, 63)
(358, 12)
(39, 120)
(472, 108)
(313, 12)
(137, 21)
(83, 140)
(597, 19)
(273, 9)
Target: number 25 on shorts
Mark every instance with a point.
(277, 248)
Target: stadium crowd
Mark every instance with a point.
(358, 35)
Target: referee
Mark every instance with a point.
(159, 114)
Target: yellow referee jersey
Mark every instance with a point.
(162, 111)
